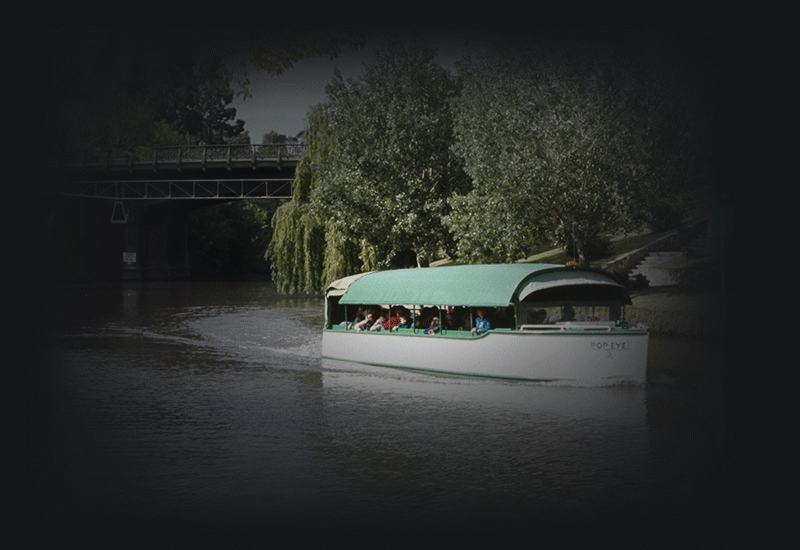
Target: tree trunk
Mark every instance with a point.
(581, 251)
(422, 261)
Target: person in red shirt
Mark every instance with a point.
(395, 321)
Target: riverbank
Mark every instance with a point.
(675, 311)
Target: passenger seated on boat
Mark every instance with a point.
(566, 314)
(455, 318)
(366, 323)
(539, 317)
(404, 316)
(379, 322)
(394, 321)
(425, 316)
(360, 315)
(451, 319)
(481, 322)
(434, 327)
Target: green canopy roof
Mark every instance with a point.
(495, 285)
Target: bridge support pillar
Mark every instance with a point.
(132, 257)
(179, 249)
(156, 245)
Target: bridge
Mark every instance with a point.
(181, 172)
(149, 191)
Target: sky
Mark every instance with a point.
(280, 103)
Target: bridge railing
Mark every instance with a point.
(177, 155)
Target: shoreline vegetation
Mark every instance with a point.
(582, 145)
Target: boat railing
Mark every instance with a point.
(573, 325)
(557, 327)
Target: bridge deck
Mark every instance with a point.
(185, 172)
(182, 157)
(184, 189)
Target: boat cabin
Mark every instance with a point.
(520, 297)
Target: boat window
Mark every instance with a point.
(586, 294)
(548, 313)
(450, 318)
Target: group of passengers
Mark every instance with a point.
(431, 320)
(375, 319)
(540, 317)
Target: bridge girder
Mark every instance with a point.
(135, 190)
(151, 197)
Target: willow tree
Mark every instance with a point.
(296, 250)
(307, 250)
(386, 183)
(561, 148)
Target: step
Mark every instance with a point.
(653, 259)
(648, 267)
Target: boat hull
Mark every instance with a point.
(578, 358)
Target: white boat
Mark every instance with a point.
(592, 346)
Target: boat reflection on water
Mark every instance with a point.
(609, 405)
(485, 448)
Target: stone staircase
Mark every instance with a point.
(666, 268)
(686, 257)
(649, 268)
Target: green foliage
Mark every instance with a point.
(273, 55)
(556, 158)
(200, 105)
(567, 147)
(387, 181)
(375, 177)
(297, 252)
(344, 257)
(490, 227)
(229, 239)
(524, 150)
(121, 122)
(662, 213)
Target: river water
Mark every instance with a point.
(165, 413)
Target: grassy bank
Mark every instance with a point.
(675, 311)
(620, 244)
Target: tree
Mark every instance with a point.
(229, 239)
(297, 247)
(387, 181)
(372, 186)
(200, 106)
(307, 250)
(560, 147)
